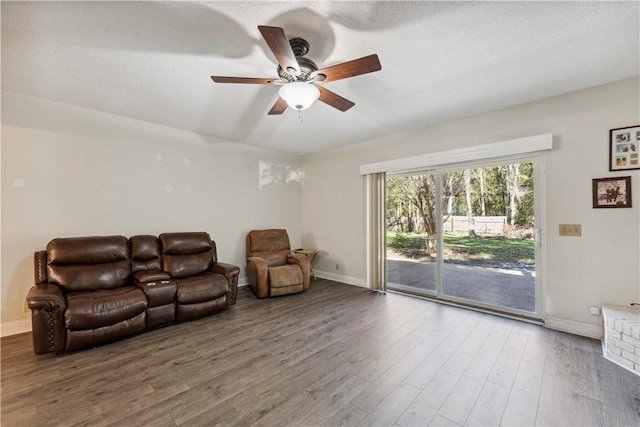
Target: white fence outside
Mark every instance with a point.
(482, 225)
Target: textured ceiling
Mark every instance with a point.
(152, 61)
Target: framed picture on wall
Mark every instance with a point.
(624, 148)
(612, 192)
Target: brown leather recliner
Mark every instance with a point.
(83, 295)
(273, 269)
(202, 285)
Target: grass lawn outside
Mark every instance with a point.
(497, 252)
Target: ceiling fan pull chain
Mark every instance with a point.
(300, 115)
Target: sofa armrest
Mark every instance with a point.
(227, 270)
(47, 304)
(231, 272)
(258, 274)
(148, 276)
(305, 265)
(46, 296)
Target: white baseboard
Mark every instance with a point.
(573, 327)
(557, 323)
(15, 327)
(349, 280)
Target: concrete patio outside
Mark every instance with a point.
(498, 287)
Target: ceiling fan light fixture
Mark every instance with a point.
(299, 95)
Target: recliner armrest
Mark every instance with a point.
(227, 270)
(47, 304)
(148, 276)
(231, 272)
(301, 260)
(258, 270)
(305, 265)
(259, 262)
(46, 296)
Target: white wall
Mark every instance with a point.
(599, 267)
(69, 171)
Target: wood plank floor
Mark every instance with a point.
(336, 355)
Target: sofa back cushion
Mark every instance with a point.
(145, 253)
(186, 254)
(272, 245)
(89, 263)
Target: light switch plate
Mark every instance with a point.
(574, 230)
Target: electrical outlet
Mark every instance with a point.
(595, 310)
(573, 230)
(26, 307)
(337, 266)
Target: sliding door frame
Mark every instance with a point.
(539, 221)
(520, 149)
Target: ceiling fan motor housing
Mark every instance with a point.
(300, 48)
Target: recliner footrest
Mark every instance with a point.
(96, 309)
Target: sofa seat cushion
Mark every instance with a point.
(104, 307)
(204, 287)
(285, 275)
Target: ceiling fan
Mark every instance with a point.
(299, 76)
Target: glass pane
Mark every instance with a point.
(488, 226)
(411, 233)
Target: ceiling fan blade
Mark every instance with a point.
(364, 65)
(279, 107)
(250, 80)
(334, 100)
(279, 45)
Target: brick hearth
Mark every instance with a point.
(621, 342)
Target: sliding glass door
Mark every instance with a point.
(411, 233)
(466, 235)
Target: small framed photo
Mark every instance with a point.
(612, 192)
(624, 147)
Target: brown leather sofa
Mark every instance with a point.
(90, 290)
(273, 269)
